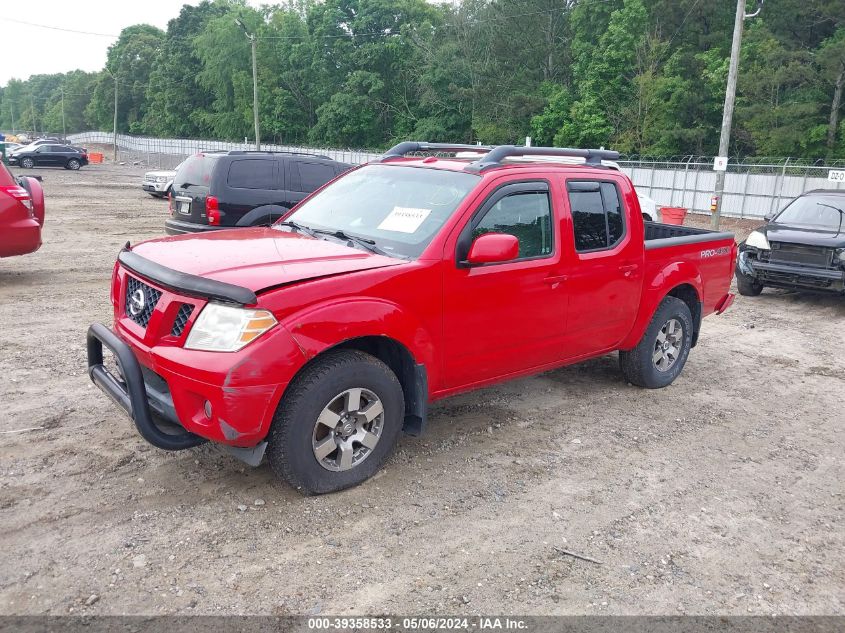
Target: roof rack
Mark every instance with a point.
(494, 158)
(397, 151)
(494, 155)
(238, 152)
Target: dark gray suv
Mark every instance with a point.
(215, 190)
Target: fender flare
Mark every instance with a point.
(255, 216)
(374, 319)
(661, 284)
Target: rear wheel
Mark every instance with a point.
(27, 163)
(662, 352)
(337, 423)
(73, 164)
(747, 286)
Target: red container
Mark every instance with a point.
(673, 215)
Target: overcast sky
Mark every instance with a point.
(33, 50)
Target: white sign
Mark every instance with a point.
(720, 163)
(836, 176)
(404, 219)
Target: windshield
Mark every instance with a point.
(815, 212)
(195, 171)
(399, 208)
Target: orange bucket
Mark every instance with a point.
(673, 215)
(95, 157)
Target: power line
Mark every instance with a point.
(57, 28)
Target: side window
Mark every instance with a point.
(527, 216)
(251, 173)
(597, 215)
(313, 175)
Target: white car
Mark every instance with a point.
(158, 183)
(649, 208)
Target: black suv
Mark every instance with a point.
(214, 190)
(49, 155)
(802, 247)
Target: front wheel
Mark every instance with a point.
(662, 352)
(27, 163)
(747, 286)
(73, 164)
(337, 423)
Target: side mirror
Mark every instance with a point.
(493, 248)
(768, 217)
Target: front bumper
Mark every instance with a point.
(792, 275)
(129, 391)
(154, 187)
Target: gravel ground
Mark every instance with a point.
(721, 494)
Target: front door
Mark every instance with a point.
(506, 317)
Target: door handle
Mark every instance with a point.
(554, 280)
(627, 269)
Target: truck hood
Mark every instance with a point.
(258, 258)
(826, 238)
(167, 173)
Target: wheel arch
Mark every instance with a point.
(411, 374)
(680, 280)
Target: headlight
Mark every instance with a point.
(221, 328)
(161, 178)
(758, 240)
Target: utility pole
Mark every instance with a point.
(728, 112)
(12, 106)
(32, 109)
(64, 129)
(254, 42)
(114, 141)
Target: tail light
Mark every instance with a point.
(20, 194)
(212, 211)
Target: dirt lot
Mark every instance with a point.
(720, 494)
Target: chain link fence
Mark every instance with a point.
(754, 187)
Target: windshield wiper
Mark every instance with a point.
(367, 243)
(297, 227)
(841, 214)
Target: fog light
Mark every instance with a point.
(207, 408)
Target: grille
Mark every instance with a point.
(801, 254)
(181, 319)
(150, 299)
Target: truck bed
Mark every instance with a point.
(664, 235)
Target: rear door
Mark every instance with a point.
(605, 267)
(249, 182)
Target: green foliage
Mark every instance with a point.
(643, 76)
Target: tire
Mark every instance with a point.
(27, 163)
(649, 366)
(326, 390)
(647, 218)
(73, 164)
(747, 286)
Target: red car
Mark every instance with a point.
(21, 214)
(317, 340)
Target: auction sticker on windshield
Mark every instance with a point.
(404, 219)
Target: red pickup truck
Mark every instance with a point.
(317, 340)
(21, 214)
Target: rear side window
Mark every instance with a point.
(527, 216)
(252, 173)
(195, 171)
(597, 216)
(312, 175)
